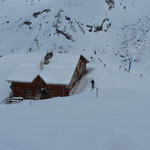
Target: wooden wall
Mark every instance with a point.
(33, 90)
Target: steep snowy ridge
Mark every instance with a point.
(61, 22)
(66, 25)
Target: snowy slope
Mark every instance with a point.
(98, 27)
(117, 120)
(107, 33)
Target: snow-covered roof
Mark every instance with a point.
(59, 70)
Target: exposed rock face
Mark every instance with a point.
(96, 27)
(111, 3)
(36, 14)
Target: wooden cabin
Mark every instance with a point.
(35, 79)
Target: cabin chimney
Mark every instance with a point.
(47, 57)
(41, 65)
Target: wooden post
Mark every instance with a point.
(30, 102)
(96, 92)
(63, 91)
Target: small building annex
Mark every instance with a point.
(41, 76)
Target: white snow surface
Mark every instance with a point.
(59, 70)
(116, 120)
(119, 118)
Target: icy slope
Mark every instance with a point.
(116, 120)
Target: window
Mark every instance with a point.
(27, 92)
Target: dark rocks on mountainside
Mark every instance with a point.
(98, 28)
(27, 22)
(122, 56)
(68, 18)
(111, 3)
(108, 26)
(90, 28)
(80, 25)
(69, 37)
(36, 14)
(58, 19)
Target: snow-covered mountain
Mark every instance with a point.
(107, 33)
(74, 25)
